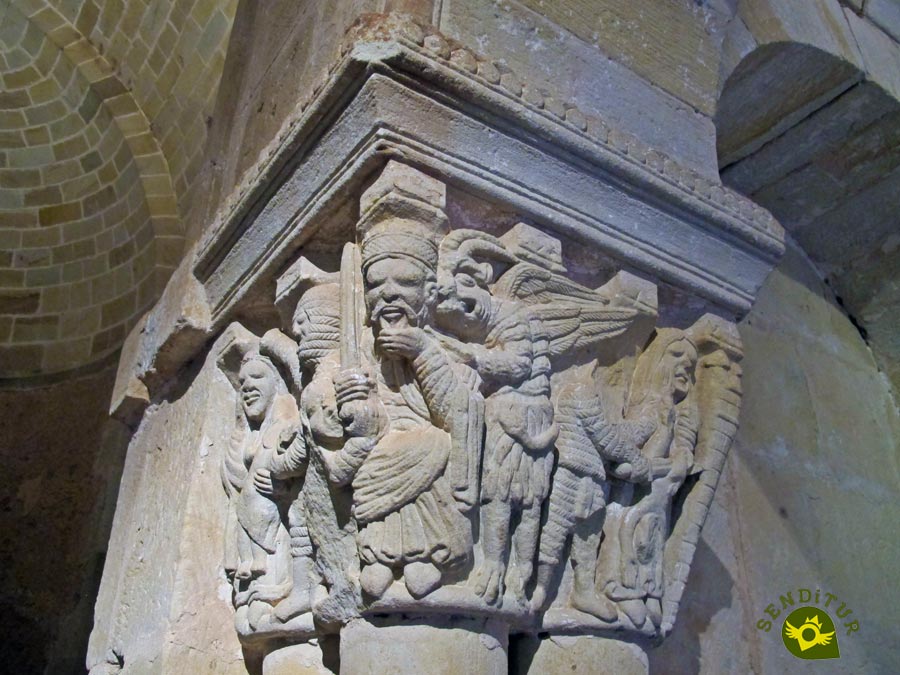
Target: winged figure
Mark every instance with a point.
(511, 317)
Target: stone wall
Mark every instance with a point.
(93, 168)
(61, 464)
(810, 500)
(103, 124)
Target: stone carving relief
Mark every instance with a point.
(450, 422)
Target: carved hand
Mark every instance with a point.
(285, 438)
(362, 419)
(634, 472)
(405, 343)
(262, 481)
(352, 384)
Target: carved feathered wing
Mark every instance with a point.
(568, 316)
(718, 384)
(571, 327)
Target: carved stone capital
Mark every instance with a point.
(478, 358)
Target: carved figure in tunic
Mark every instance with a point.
(337, 444)
(630, 566)
(403, 498)
(257, 557)
(495, 337)
(591, 437)
(510, 318)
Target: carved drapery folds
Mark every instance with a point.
(449, 423)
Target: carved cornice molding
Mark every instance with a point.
(406, 92)
(425, 65)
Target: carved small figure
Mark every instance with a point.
(630, 567)
(336, 445)
(509, 319)
(257, 557)
(590, 440)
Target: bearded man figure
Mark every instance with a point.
(403, 494)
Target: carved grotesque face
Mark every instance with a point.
(258, 388)
(679, 359)
(399, 293)
(465, 304)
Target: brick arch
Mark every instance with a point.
(809, 129)
(78, 261)
(143, 82)
(127, 115)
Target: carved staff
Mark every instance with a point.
(351, 312)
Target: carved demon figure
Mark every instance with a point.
(509, 319)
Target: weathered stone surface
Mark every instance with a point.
(817, 442)
(303, 659)
(393, 450)
(64, 460)
(598, 656)
(886, 15)
(163, 605)
(442, 647)
(528, 118)
(580, 68)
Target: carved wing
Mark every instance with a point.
(718, 391)
(569, 316)
(571, 327)
(536, 285)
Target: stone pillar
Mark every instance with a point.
(570, 654)
(438, 646)
(303, 659)
(446, 425)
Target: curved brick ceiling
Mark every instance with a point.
(103, 117)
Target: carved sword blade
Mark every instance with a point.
(351, 314)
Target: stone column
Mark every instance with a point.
(581, 654)
(438, 646)
(303, 659)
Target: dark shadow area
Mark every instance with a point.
(62, 459)
(709, 590)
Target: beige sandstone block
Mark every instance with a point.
(476, 647)
(562, 655)
(302, 659)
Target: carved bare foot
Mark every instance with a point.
(636, 610)
(421, 578)
(298, 602)
(375, 579)
(544, 581)
(596, 605)
(489, 581)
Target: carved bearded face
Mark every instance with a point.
(258, 388)
(679, 359)
(399, 293)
